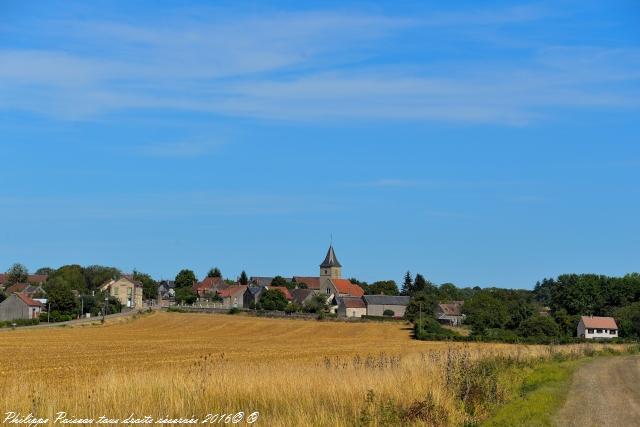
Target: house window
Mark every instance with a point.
(599, 331)
(590, 331)
(115, 290)
(328, 291)
(353, 313)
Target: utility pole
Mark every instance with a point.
(48, 310)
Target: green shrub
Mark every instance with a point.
(234, 310)
(389, 313)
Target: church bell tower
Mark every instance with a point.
(330, 267)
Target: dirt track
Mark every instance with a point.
(605, 392)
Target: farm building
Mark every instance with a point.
(19, 306)
(377, 304)
(351, 307)
(592, 327)
(450, 313)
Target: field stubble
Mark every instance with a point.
(294, 372)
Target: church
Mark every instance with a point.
(331, 282)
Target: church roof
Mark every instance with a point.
(330, 260)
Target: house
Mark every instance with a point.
(166, 289)
(252, 295)
(19, 306)
(260, 281)
(450, 313)
(34, 279)
(209, 285)
(378, 304)
(127, 291)
(25, 288)
(351, 307)
(302, 296)
(310, 282)
(16, 288)
(233, 296)
(593, 327)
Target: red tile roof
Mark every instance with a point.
(207, 284)
(452, 309)
(232, 291)
(284, 291)
(350, 302)
(37, 278)
(311, 282)
(27, 300)
(17, 287)
(32, 278)
(599, 322)
(346, 287)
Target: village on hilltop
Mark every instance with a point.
(27, 301)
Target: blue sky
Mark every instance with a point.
(491, 143)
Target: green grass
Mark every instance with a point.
(542, 392)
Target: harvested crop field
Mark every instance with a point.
(294, 372)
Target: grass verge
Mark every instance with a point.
(542, 392)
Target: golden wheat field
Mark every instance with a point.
(293, 372)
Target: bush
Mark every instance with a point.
(429, 328)
(19, 322)
(234, 310)
(389, 313)
(539, 326)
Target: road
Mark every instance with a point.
(605, 392)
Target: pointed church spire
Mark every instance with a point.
(330, 260)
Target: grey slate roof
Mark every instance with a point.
(330, 260)
(299, 295)
(386, 300)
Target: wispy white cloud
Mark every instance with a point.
(308, 66)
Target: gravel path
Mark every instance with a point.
(605, 392)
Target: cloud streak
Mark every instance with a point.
(312, 66)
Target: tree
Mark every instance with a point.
(567, 323)
(628, 319)
(317, 304)
(44, 271)
(185, 295)
(213, 296)
(273, 299)
(485, 311)
(421, 284)
(73, 275)
(185, 279)
(407, 286)
(61, 297)
(97, 275)
(149, 286)
(17, 273)
(279, 281)
(539, 326)
(243, 279)
(422, 302)
(214, 272)
(384, 287)
(449, 292)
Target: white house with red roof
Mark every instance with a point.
(594, 327)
